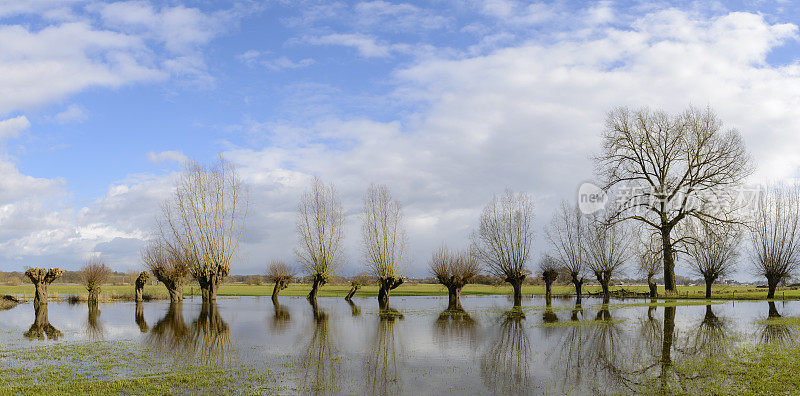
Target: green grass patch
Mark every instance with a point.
(786, 321)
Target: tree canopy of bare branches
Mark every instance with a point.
(548, 270)
(565, 235)
(714, 252)
(454, 270)
(608, 248)
(504, 237)
(775, 235)
(204, 221)
(41, 279)
(383, 236)
(320, 221)
(94, 273)
(672, 167)
(280, 273)
(169, 264)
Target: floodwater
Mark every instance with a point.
(625, 346)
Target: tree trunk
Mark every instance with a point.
(175, 291)
(277, 289)
(93, 297)
(351, 293)
(318, 281)
(578, 284)
(773, 311)
(604, 286)
(41, 294)
(669, 262)
(709, 281)
(653, 289)
(386, 286)
(517, 284)
(208, 288)
(454, 298)
(771, 286)
(547, 294)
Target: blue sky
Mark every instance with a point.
(445, 102)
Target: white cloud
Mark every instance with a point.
(366, 46)
(73, 113)
(11, 127)
(164, 156)
(254, 58)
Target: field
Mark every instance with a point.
(722, 292)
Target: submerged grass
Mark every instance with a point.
(571, 323)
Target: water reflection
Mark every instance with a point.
(774, 331)
(381, 365)
(567, 355)
(505, 364)
(170, 333)
(711, 338)
(355, 309)
(41, 327)
(139, 317)
(320, 358)
(95, 328)
(281, 319)
(455, 325)
(603, 344)
(208, 337)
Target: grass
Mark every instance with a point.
(722, 292)
(782, 321)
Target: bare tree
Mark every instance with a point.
(775, 235)
(607, 249)
(41, 280)
(565, 235)
(169, 264)
(204, 221)
(504, 236)
(548, 269)
(320, 220)
(648, 259)
(671, 167)
(713, 254)
(280, 273)
(94, 273)
(141, 280)
(383, 235)
(454, 270)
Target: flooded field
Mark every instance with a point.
(247, 343)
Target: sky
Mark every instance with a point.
(445, 102)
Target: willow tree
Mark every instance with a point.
(454, 270)
(714, 253)
(205, 218)
(320, 221)
(565, 235)
(139, 284)
(648, 261)
(280, 273)
(383, 236)
(548, 270)
(169, 264)
(608, 247)
(41, 280)
(504, 237)
(775, 235)
(669, 168)
(94, 274)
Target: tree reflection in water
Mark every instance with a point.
(139, 317)
(505, 364)
(320, 358)
(455, 325)
(41, 326)
(605, 360)
(710, 339)
(566, 358)
(380, 367)
(208, 337)
(774, 331)
(356, 310)
(95, 327)
(281, 319)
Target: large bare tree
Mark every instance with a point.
(504, 237)
(714, 253)
(206, 218)
(169, 263)
(565, 234)
(670, 167)
(454, 270)
(320, 220)
(775, 235)
(383, 236)
(608, 248)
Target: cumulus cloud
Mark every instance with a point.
(73, 113)
(11, 127)
(367, 46)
